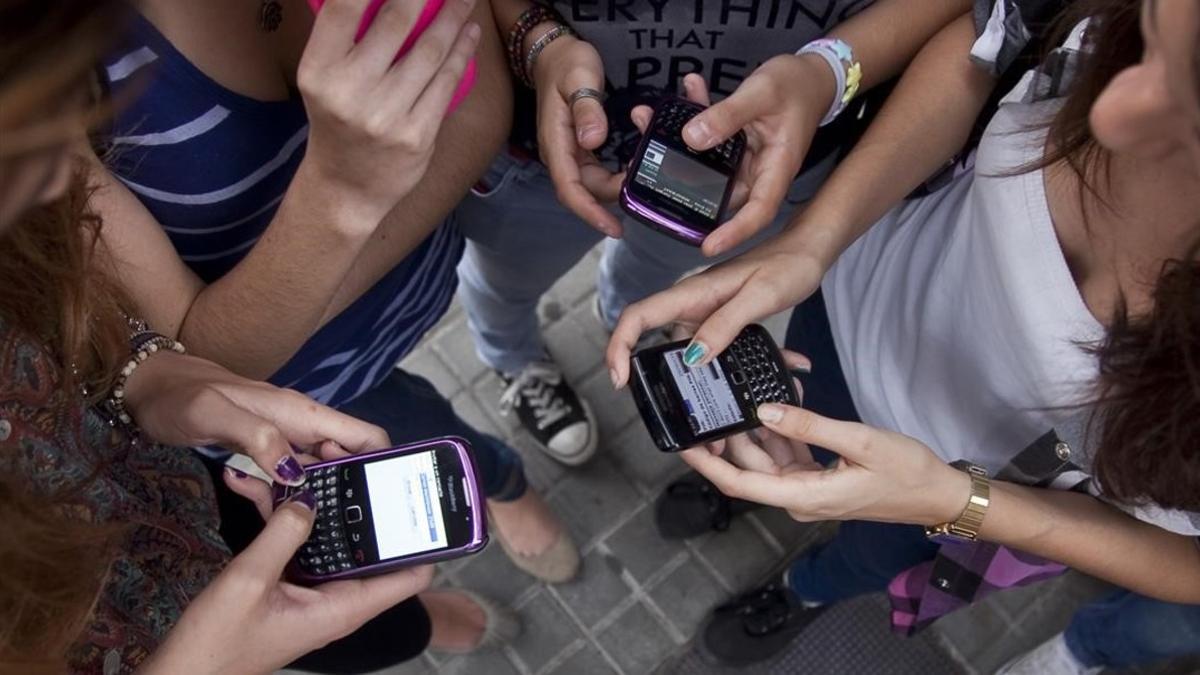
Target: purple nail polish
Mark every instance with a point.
(290, 470)
(305, 498)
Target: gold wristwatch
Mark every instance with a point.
(966, 527)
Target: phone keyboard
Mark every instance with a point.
(326, 551)
(671, 117)
(766, 380)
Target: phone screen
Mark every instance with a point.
(405, 500)
(682, 180)
(708, 398)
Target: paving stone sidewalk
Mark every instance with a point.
(640, 599)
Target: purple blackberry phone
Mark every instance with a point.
(379, 511)
(674, 189)
(683, 407)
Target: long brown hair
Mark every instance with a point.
(1146, 420)
(53, 565)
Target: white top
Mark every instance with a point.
(957, 319)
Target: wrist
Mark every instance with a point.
(323, 197)
(819, 85)
(545, 73)
(143, 382)
(950, 498)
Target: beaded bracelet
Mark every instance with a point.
(145, 344)
(535, 50)
(529, 19)
(846, 71)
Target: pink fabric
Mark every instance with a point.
(431, 9)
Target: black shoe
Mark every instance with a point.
(755, 627)
(560, 421)
(692, 506)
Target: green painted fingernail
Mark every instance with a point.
(694, 354)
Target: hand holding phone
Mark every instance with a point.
(673, 188)
(684, 406)
(428, 12)
(389, 509)
(249, 621)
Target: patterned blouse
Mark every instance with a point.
(55, 442)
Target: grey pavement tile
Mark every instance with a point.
(426, 363)
(739, 555)
(640, 548)
(1005, 648)
(493, 575)
(550, 309)
(597, 590)
(573, 350)
(974, 630)
(614, 409)
(592, 499)
(457, 348)
(473, 414)
(687, 596)
(637, 641)
(489, 661)
(636, 456)
(584, 316)
(547, 631)
(793, 536)
(586, 661)
(543, 472)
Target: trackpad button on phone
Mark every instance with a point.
(353, 514)
(737, 377)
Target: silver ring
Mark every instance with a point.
(582, 93)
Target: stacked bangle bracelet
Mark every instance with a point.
(522, 63)
(144, 344)
(847, 72)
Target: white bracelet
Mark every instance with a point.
(846, 71)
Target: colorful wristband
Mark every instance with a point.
(848, 72)
(529, 19)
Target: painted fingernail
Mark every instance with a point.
(290, 470)
(694, 354)
(804, 369)
(305, 498)
(236, 473)
(769, 413)
(698, 134)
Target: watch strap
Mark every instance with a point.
(966, 527)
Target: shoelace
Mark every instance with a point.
(536, 385)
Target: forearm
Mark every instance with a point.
(1096, 538)
(925, 122)
(466, 145)
(254, 318)
(888, 34)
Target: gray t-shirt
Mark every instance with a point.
(649, 45)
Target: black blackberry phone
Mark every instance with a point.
(684, 406)
(681, 192)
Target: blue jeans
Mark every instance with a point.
(410, 409)
(1121, 631)
(1125, 630)
(520, 240)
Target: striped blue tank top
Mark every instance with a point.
(212, 167)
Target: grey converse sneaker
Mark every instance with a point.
(557, 418)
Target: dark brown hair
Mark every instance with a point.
(53, 565)
(1146, 420)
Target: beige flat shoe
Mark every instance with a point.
(556, 565)
(501, 626)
